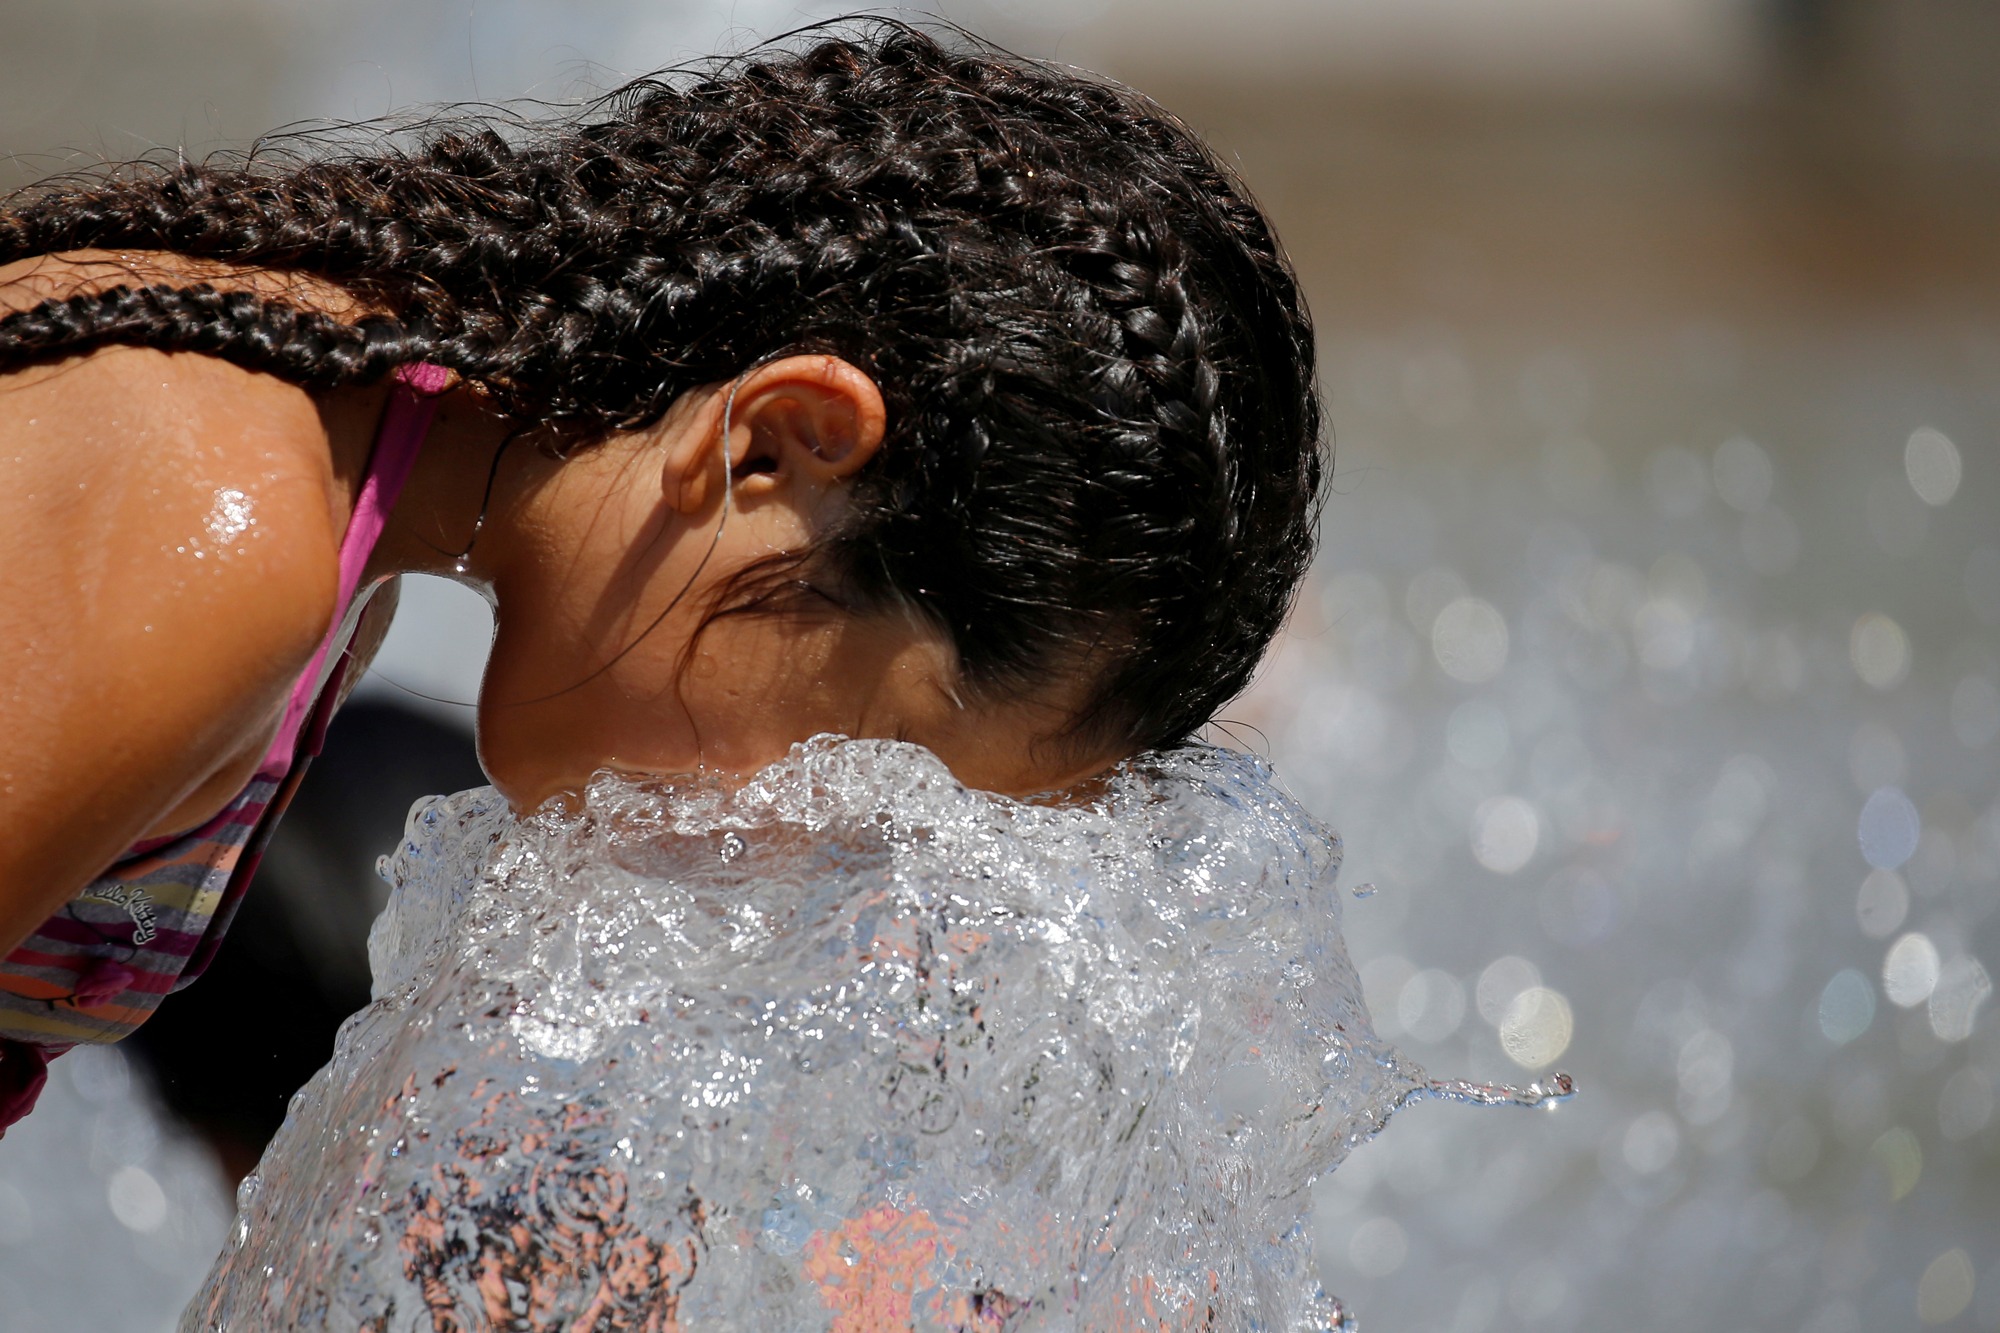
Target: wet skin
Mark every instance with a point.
(169, 529)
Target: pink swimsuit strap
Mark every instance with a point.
(412, 403)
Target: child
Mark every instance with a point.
(880, 388)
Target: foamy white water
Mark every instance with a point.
(850, 1047)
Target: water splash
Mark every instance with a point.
(1538, 1095)
(849, 1047)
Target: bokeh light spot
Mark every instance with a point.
(1882, 904)
(1910, 970)
(1536, 1028)
(136, 1199)
(1931, 462)
(1469, 638)
(1743, 474)
(1962, 988)
(1879, 650)
(1505, 832)
(1499, 982)
(1946, 1288)
(1901, 1158)
(1431, 1005)
(1965, 1107)
(1378, 1247)
(1889, 828)
(1846, 1007)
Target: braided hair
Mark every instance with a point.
(1103, 440)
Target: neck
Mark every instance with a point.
(436, 519)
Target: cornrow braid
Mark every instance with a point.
(1103, 449)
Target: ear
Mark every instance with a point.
(800, 421)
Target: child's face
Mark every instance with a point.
(605, 567)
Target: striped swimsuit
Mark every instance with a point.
(152, 921)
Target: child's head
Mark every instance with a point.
(1099, 458)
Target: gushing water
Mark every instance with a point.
(849, 1047)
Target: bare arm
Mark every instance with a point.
(168, 545)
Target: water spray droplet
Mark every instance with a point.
(1364, 890)
(733, 846)
(1544, 1094)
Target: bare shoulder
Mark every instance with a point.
(169, 536)
(134, 481)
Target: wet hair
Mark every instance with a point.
(1103, 446)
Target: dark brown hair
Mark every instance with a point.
(1104, 434)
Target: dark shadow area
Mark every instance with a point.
(228, 1053)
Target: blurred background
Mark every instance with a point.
(1651, 666)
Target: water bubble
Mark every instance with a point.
(1879, 650)
(1889, 828)
(1975, 712)
(1954, 1002)
(1537, 1027)
(1931, 462)
(1469, 640)
(1945, 1289)
(1846, 1007)
(1882, 904)
(1505, 833)
(136, 1199)
(1910, 970)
